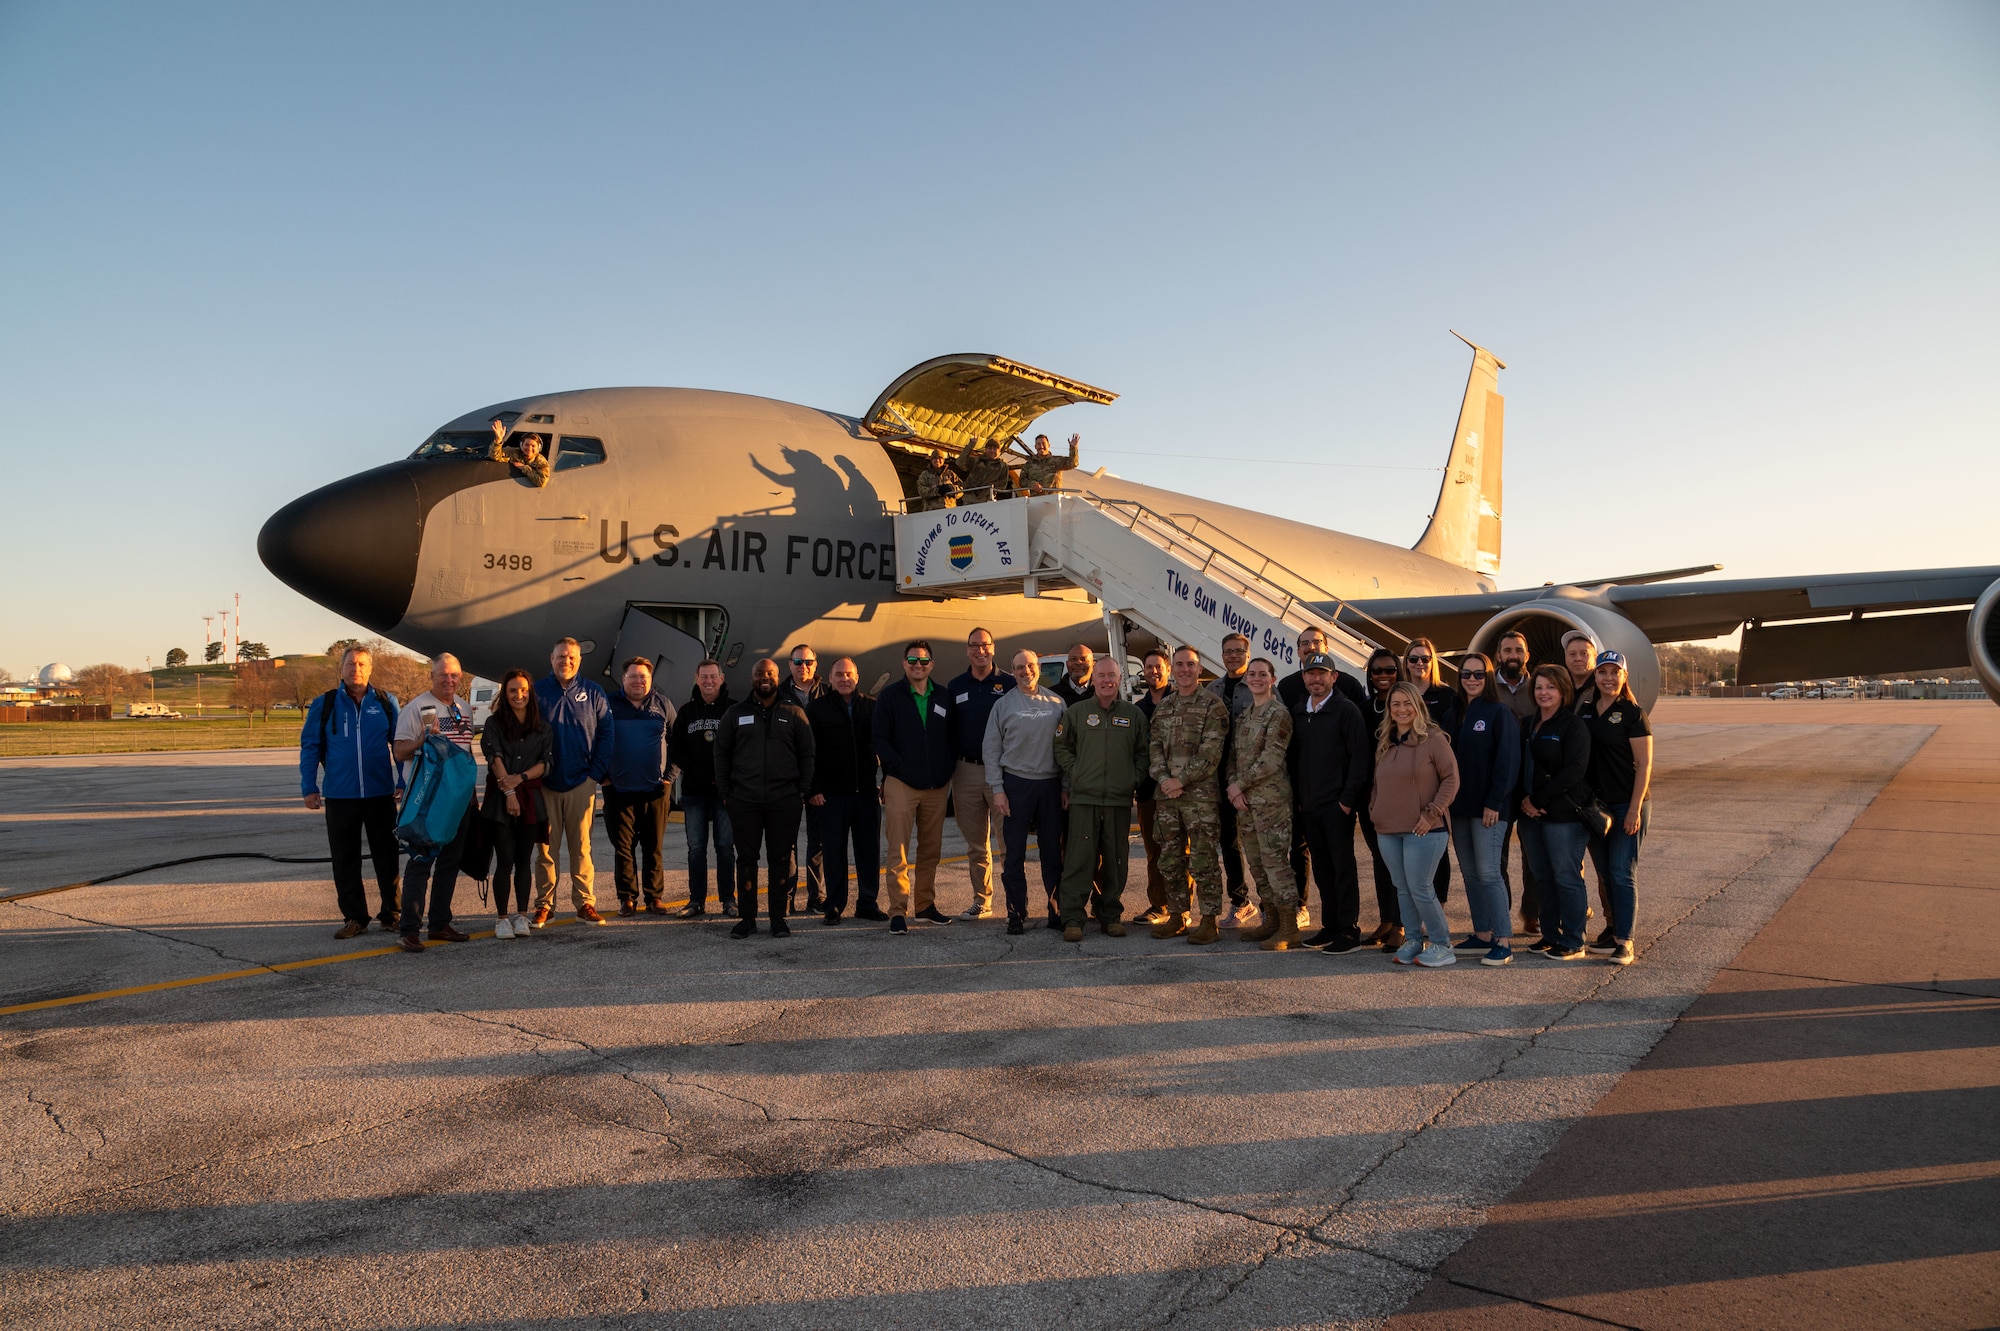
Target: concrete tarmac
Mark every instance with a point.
(650, 1124)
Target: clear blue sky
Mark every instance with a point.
(1741, 260)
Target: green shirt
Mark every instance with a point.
(923, 703)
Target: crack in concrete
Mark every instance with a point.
(210, 948)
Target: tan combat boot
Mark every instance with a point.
(1207, 933)
(1173, 926)
(1285, 937)
(1264, 930)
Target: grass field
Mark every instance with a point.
(30, 739)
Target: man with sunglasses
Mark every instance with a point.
(802, 687)
(912, 733)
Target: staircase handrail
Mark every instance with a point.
(1212, 554)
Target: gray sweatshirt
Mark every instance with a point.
(1021, 736)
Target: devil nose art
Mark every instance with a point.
(351, 546)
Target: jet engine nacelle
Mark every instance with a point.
(1544, 621)
(1982, 639)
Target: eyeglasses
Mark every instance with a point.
(805, 660)
(918, 660)
(1418, 660)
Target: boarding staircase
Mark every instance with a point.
(1178, 577)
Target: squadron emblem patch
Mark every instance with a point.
(961, 552)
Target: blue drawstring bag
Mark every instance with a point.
(440, 792)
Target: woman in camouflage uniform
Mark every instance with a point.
(1261, 790)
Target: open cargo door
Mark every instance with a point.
(949, 401)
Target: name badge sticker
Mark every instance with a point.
(746, 720)
(938, 707)
(965, 697)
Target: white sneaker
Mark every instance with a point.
(520, 925)
(503, 928)
(974, 913)
(1437, 954)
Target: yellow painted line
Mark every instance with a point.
(277, 968)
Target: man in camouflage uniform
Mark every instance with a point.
(1042, 473)
(1190, 725)
(937, 485)
(1260, 787)
(985, 471)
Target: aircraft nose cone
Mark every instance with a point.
(351, 546)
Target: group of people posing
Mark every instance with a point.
(1238, 779)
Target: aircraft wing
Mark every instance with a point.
(1832, 624)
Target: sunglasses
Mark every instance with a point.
(1418, 660)
(805, 660)
(918, 660)
(1472, 674)
(1383, 670)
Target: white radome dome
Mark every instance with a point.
(55, 673)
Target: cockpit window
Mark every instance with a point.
(463, 443)
(575, 451)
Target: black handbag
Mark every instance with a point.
(1596, 818)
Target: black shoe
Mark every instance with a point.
(815, 903)
(897, 925)
(1342, 946)
(934, 915)
(1606, 943)
(1055, 920)
(743, 929)
(1015, 926)
(728, 910)
(870, 911)
(1322, 938)
(692, 911)
(389, 923)
(831, 917)
(779, 929)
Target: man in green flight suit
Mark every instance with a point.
(1101, 746)
(985, 471)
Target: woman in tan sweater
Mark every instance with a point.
(1416, 778)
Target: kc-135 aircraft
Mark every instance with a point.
(680, 524)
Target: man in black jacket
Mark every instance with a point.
(912, 733)
(1331, 764)
(1074, 686)
(844, 794)
(764, 767)
(801, 686)
(1292, 688)
(702, 810)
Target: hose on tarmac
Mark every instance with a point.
(168, 864)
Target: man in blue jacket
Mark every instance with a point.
(635, 799)
(347, 733)
(579, 718)
(913, 739)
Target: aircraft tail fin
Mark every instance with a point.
(1465, 525)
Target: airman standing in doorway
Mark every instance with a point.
(1042, 473)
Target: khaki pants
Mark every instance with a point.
(568, 812)
(904, 809)
(972, 804)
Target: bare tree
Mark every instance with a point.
(396, 671)
(107, 683)
(303, 679)
(255, 688)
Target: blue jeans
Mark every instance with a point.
(1556, 850)
(1480, 849)
(1413, 860)
(1616, 859)
(704, 816)
(1034, 805)
(851, 820)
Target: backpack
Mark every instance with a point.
(441, 788)
(387, 701)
